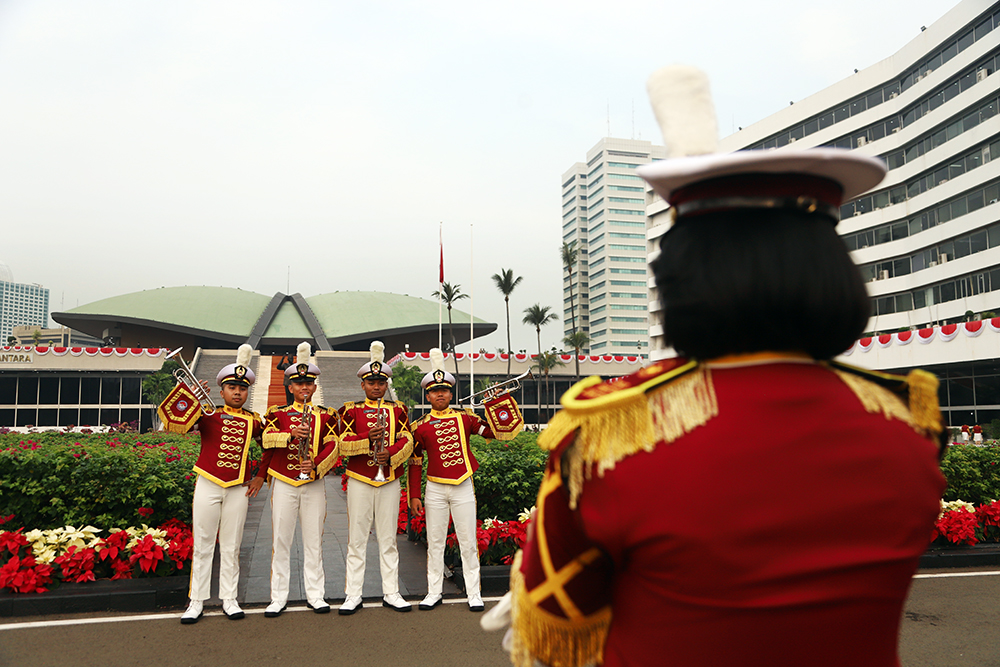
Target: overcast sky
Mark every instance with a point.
(149, 144)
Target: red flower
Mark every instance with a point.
(24, 575)
(12, 541)
(145, 511)
(180, 549)
(5, 519)
(77, 565)
(113, 545)
(147, 553)
(989, 515)
(123, 569)
(958, 526)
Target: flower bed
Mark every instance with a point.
(964, 524)
(40, 560)
(497, 540)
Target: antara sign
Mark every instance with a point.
(16, 357)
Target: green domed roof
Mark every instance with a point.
(216, 316)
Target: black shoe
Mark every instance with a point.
(273, 612)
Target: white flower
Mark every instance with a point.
(525, 514)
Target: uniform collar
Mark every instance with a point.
(296, 405)
(443, 413)
(374, 404)
(759, 358)
(232, 411)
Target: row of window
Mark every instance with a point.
(89, 390)
(921, 108)
(942, 134)
(625, 188)
(948, 210)
(889, 91)
(628, 295)
(625, 235)
(962, 246)
(620, 211)
(629, 283)
(74, 417)
(927, 180)
(627, 200)
(959, 288)
(623, 165)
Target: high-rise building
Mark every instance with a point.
(21, 304)
(604, 216)
(927, 239)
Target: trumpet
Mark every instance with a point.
(379, 446)
(303, 443)
(498, 389)
(185, 375)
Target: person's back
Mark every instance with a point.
(784, 530)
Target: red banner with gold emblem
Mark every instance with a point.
(504, 417)
(179, 410)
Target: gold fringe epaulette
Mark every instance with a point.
(355, 447)
(274, 440)
(403, 455)
(912, 399)
(538, 635)
(326, 466)
(618, 419)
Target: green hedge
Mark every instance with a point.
(509, 475)
(973, 473)
(55, 479)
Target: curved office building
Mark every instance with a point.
(927, 239)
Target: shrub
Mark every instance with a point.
(110, 480)
(973, 473)
(509, 475)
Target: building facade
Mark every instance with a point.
(21, 304)
(927, 239)
(604, 217)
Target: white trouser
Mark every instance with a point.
(365, 501)
(307, 504)
(222, 512)
(460, 501)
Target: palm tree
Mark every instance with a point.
(537, 316)
(450, 294)
(569, 263)
(544, 363)
(577, 340)
(506, 282)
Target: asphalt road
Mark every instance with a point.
(951, 620)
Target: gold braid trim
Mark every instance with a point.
(876, 399)
(354, 447)
(924, 407)
(400, 457)
(326, 466)
(553, 641)
(171, 427)
(635, 422)
(275, 440)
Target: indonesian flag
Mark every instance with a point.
(441, 269)
(179, 410)
(504, 417)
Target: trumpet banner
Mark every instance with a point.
(179, 410)
(504, 417)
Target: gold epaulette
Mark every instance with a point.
(616, 419)
(469, 411)
(912, 399)
(420, 420)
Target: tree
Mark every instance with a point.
(12, 340)
(538, 316)
(569, 263)
(577, 340)
(156, 386)
(544, 363)
(506, 282)
(36, 336)
(406, 383)
(450, 294)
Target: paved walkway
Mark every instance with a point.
(255, 557)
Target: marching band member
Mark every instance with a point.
(220, 501)
(298, 492)
(674, 522)
(373, 480)
(443, 436)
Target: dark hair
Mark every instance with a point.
(756, 280)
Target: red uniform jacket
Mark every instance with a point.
(281, 452)
(225, 445)
(444, 437)
(763, 512)
(358, 419)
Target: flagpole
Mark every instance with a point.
(440, 283)
(472, 300)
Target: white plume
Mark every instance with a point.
(377, 350)
(302, 353)
(682, 102)
(243, 355)
(437, 359)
